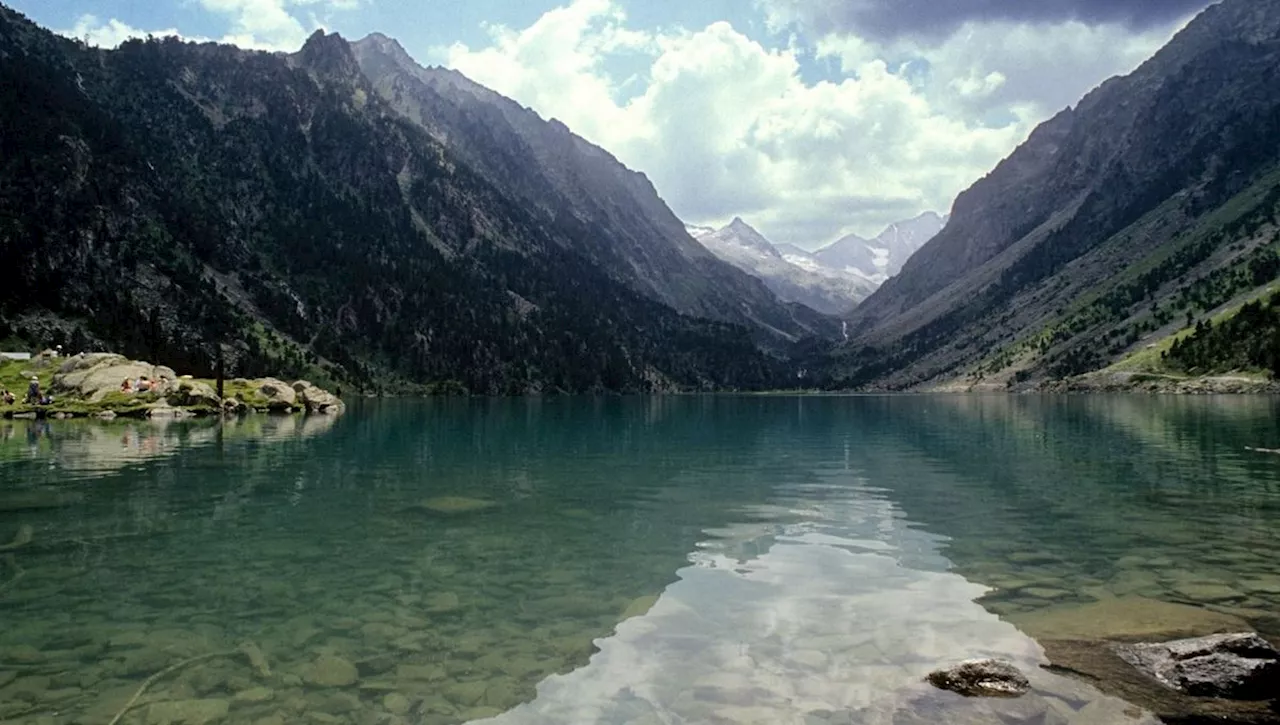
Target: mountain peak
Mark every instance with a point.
(329, 54)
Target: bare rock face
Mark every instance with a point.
(1232, 666)
(193, 393)
(93, 375)
(981, 678)
(281, 397)
(317, 400)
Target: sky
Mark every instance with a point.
(811, 119)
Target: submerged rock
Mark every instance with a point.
(1126, 618)
(443, 603)
(640, 606)
(453, 505)
(396, 704)
(1234, 666)
(981, 678)
(331, 671)
(187, 712)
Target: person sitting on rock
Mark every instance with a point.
(126, 386)
(143, 384)
(6, 397)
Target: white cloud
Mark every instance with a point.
(996, 66)
(111, 33)
(254, 24)
(728, 127)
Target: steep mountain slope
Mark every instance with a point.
(881, 258)
(828, 291)
(189, 203)
(855, 254)
(903, 239)
(606, 212)
(1153, 184)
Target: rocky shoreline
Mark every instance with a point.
(1145, 382)
(91, 385)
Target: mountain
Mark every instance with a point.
(1119, 221)
(603, 210)
(881, 258)
(825, 290)
(200, 205)
(903, 239)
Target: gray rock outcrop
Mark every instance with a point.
(981, 678)
(1231, 666)
(93, 375)
(317, 400)
(280, 396)
(193, 393)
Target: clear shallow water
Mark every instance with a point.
(664, 560)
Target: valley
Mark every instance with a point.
(401, 228)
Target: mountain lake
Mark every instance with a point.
(628, 561)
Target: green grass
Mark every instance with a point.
(15, 375)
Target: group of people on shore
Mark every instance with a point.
(34, 395)
(144, 385)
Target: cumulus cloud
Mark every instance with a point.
(1002, 66)
(253, 24)
(726, 127)
(112, 32)
(930, 19)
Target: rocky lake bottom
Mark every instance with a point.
(630, 561)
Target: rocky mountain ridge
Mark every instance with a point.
(832, 280)
(608, 213)
(190, 203)
(1149, 204)
(880, 258)
(826, 290)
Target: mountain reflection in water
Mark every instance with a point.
(618, 560)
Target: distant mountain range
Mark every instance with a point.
(833, 279)
(1152, 204)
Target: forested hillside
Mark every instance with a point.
(183, 202)
(1247, 340)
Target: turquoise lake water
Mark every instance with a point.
(620, 560)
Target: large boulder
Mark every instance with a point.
(192, 394)
(93, 375)
(317, 400)
(1233, 666)
(981, 678)
(281, 398)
